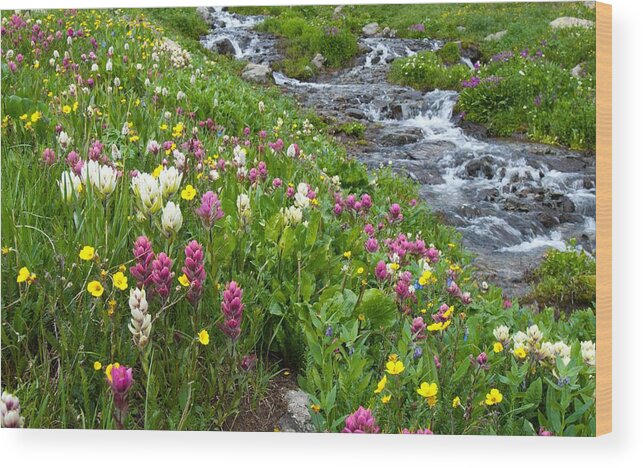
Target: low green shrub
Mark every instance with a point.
(426, 71)
(516, 94)
(449, 54)
(566, 280)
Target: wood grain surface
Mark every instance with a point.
(603, 218)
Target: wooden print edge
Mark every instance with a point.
(603, 218)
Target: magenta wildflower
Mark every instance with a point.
(544, 432)
(162, 274)
(120, 380)
(276, 182)
(142, 269)
(436, 361)
(361, 422)
(371, 245)
(419, 431)
(48, 156)
(232, 309)
(418, 328)
(194, 271)
(248, 362)
(395, 213)
(482, 359)
(381, 273)
(210, 210)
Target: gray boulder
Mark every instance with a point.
(259, 73)
(224, 46)
(297, 417)
(318, 61)
(571, 22)
(495, 36)
(371, 29)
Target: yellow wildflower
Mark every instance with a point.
(120, 280)
(315, 408)
(497, 347)
(188, 193)
(87, 253)
(108, 370)
(456, 402)
(97, 365)
(395, 367)
(184, 281)
(23, 275)
(386, 399)
(35, 117)
(394, 266)
(380, 385)
(427, 390)
(95, 288)
(66, 109)
(360, 270)
(439, 326)
(520, 353)
(157, 171)
(493, 397)
(348, 254)
(204, 337)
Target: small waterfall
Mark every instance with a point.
(510, 200)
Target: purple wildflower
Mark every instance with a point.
(194, 271)
(232, 309)
(210, 209)
(162, 274)
(142, 269)
(361, 422)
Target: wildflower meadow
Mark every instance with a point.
(180, 247)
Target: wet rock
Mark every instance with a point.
(572, 218)
(473, 129)
(318, 61)
(355, 113)
(391, 136)
(297, 417)
(224, 46)
(590, 5)
(482, 167)
(588, 183)
(258, 73)
(461, 28)
(470, 51)
(371, 29)
(495, 36)
(547, 220)
(430, 177)
(571, 22)
(428, 150)
(567, 206)
(469, 211)
(490, 195)
(515, 204)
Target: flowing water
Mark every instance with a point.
(511, 200)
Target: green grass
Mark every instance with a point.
(312, 301)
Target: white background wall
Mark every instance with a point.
(619, 449)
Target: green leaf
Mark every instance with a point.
(535, 392)
(378, 308)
